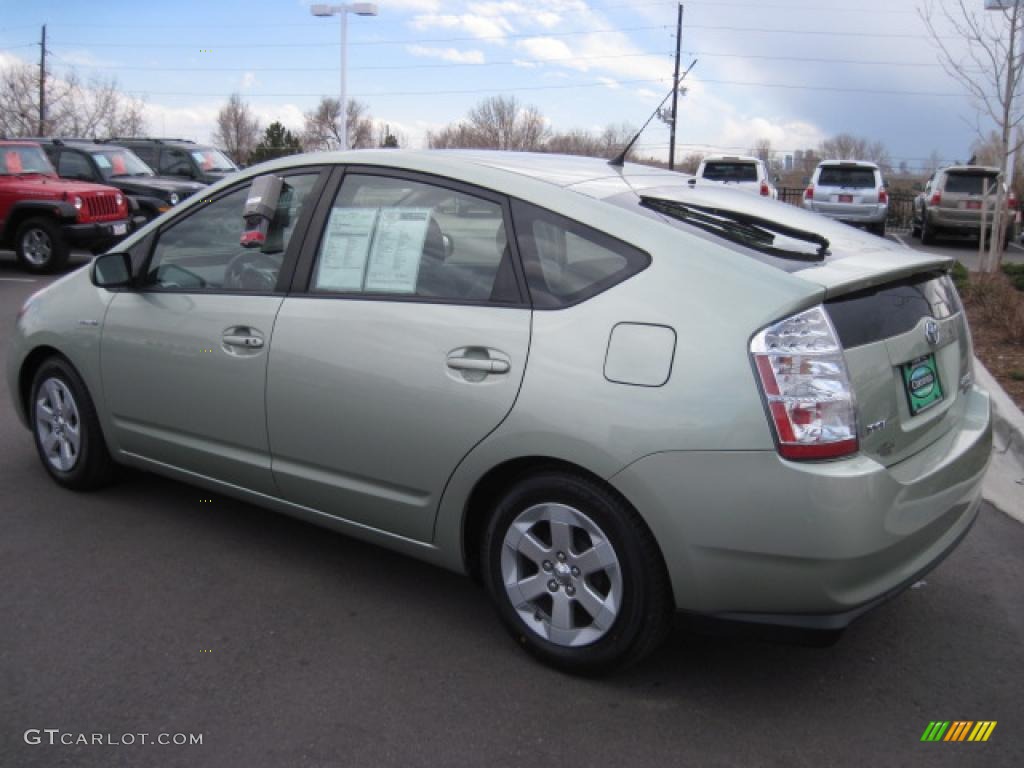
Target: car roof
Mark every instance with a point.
(847, 164)
(971, 168)
(19, 143)
(731, 159)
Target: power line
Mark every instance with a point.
(607, 82)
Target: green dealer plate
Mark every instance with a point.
(921, 380)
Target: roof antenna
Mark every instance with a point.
(619, 160)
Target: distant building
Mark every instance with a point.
(788, 162)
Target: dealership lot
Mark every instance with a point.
(155, 607)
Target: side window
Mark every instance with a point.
(567, 262)
(148, 155)
(401, 237)
(174, 162)
(74, 165)
(202, 252)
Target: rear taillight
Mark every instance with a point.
(803, 376)
(765, 192)
(883, 195)
(1011, 202)
(936, 199)
(809, 193)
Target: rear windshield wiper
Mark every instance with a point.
(744, 229)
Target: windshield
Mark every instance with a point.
(24, 159)
(855, 178)
(970, 183)
(730, 172)
(121, 162)
(212, 160)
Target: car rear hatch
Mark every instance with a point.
(963, 195)
(908, 354)
(740, 174)
(846, 189)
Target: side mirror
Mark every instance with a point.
(112, 270)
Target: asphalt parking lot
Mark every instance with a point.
(142, 609)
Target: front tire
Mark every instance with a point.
(40, 246)
(575, 574)
(66, 428)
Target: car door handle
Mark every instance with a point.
(250, 342)
(480, 364)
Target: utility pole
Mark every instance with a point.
(675, 92)
(42, 84)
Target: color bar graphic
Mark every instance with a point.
(958, 730)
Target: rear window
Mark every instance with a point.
(718, 171)
(857, 178)
(969, 183)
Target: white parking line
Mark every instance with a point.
(1015, 247)
(17, 280)
(899, 239)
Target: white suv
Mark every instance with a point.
(745, 173)
(851, 191)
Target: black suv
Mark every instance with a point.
(85, 160)
(180, 157)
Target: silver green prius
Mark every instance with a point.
(605, 394)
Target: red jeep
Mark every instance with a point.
(42, 216)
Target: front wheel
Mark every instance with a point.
(575, 574)
(40, 247)
(66, 428)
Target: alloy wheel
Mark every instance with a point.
(58, 425)
(561, 574)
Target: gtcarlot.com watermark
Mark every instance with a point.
(56, 737)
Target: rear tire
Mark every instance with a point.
(66, 428)
(575, 575)
(40, 246)
(878, 229)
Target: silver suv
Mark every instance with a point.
(851, 191)
(952, 202)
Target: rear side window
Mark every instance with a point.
(730, 172)
(856, 178)
(74, 165)
(567, 262)
(970, 183)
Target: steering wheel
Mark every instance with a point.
(250, 271)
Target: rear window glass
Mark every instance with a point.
(567, 262)
(970, 183)
(730, 172)
(857, 178)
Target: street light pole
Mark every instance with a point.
(360, 9)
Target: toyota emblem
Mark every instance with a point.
(932, 332)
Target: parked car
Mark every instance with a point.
(613, 398)
(43, 216)
(180, 157)
(851, 191)
(952, 202)
(748, 174)
(85, 160)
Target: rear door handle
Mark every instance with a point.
(250, 342)
(483, 365)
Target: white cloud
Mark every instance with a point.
(248, 81)
(485, 27)
(447, 54)
(610, 82)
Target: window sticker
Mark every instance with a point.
(102, 161)
(397, 249)
(346, 248)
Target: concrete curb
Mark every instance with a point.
(1004, 483)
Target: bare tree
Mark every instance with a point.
(497, 122)
(97, 108)
(323, 125)
(237, 129)
(844, 146)
(990, 65)
(608, 143)
(763, 151)
(690, 163)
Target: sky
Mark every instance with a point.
(792, 71)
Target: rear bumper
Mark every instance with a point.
(852, 214)
(961, 221)
(748, 535)
(95, 235)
